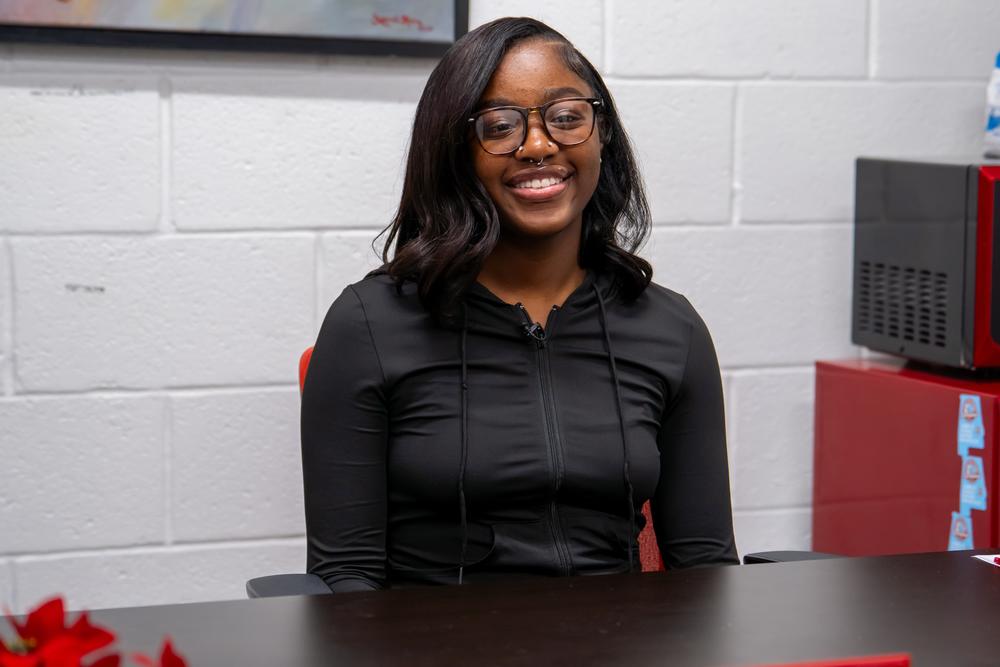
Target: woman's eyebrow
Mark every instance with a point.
(548, 94)
(568, 91)
(496, 102)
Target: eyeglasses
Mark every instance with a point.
(568, 122)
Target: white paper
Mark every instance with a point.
(989, 558)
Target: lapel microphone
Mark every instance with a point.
(534, 330)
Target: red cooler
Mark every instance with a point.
(897, 466)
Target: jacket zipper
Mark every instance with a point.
(552, 439)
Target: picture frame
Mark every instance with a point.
(406, 30)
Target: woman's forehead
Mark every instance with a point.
(532, 73)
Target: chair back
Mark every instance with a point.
(304, 367)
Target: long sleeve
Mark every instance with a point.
(692, 513)
(344, 430)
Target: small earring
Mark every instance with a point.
(520, 148)
(550, 144)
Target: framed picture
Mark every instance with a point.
(361, 27)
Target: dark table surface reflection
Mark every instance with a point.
(944, 609)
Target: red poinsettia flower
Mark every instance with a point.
(44, 640)
(168, 658)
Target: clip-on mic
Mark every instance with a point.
(534, 330)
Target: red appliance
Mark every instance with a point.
(926, 238)
(887, 470)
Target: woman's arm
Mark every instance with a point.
(344, 426)
(691, 510)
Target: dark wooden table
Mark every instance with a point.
(943, 608)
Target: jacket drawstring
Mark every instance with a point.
(621, 423)
(465, 443)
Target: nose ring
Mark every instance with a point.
(538, 163)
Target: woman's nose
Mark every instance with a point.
(537, 143)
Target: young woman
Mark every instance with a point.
(505, 393)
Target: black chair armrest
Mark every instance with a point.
(286, 584)
(785, 556)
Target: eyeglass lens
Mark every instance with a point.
(568, 122)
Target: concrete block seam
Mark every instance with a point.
(179, 390)
(736, 168)
(757, 227)
(768, 370)
(158, 549)
(737, 370)
(772, 511)
(7, 343)
(168, 476)
(318, 307)
(871, 41)
(166, 222)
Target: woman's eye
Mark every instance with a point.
(565, 119)
(498, 129)
(497, 125)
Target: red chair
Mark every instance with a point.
(649, 552)
(304, 367)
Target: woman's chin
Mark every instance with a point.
(539, 226)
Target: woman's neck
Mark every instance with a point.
(537, 273)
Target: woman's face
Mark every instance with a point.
(531, 74)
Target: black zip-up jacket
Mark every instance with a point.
(433, 455)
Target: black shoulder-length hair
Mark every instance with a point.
(447, 225)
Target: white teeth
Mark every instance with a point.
(538, 183)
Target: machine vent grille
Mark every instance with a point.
(903, 303)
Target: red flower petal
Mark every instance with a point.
(140, 659)
(92, 637)
(13, 660)
(110, 660)
(62, 651)
(44, 622)
(168, 658)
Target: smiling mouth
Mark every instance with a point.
(540, 189)
(539, 183)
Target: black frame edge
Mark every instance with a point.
(213, 41)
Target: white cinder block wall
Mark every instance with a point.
(173, 226)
